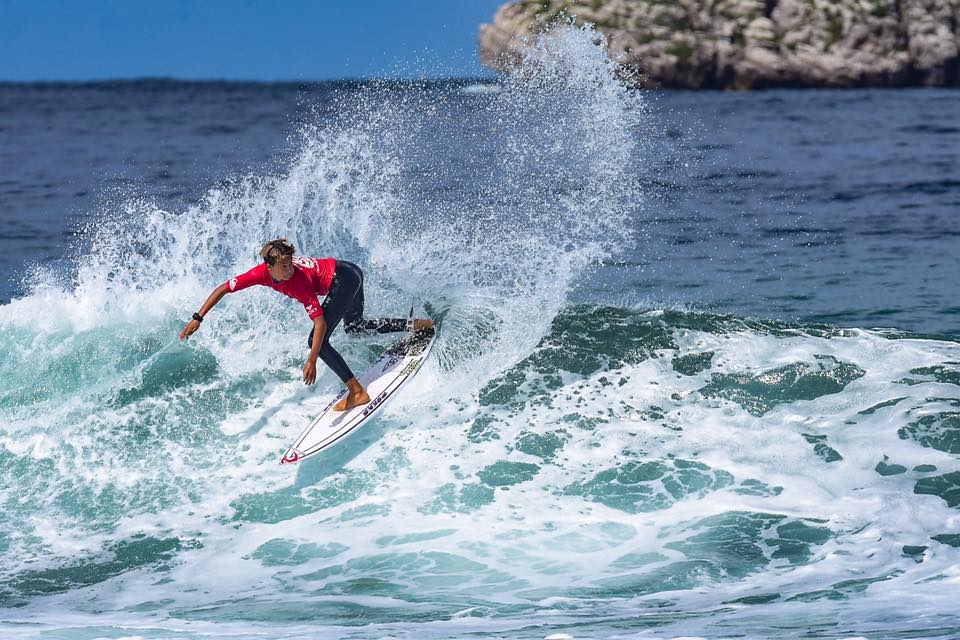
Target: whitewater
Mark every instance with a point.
(582, 456)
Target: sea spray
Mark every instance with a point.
(541, 189)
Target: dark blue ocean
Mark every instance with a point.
(817, 206)
(697, 371)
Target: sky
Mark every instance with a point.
(240, 39)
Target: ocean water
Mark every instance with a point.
(697, 371)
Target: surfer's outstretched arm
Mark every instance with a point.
(310, 368)
(210, 302)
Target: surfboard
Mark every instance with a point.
(383, 381)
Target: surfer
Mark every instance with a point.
(304, 279)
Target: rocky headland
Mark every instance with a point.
(751, 44)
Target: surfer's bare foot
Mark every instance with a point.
(356, 396)
(422, 323)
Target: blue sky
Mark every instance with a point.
(240, 39)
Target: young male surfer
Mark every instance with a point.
(304, 279)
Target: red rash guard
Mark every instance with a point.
(311, 276)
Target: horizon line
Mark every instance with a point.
(493, 75)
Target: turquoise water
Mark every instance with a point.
(576, 458)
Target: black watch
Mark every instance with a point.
(197, 317)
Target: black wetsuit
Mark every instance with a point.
(345, 302)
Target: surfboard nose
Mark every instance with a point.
(291, 456)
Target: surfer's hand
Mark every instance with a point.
(310, 371)
(188, 330)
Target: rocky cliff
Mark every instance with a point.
(746, 44)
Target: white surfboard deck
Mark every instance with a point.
(383, 381)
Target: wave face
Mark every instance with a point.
(558, 467)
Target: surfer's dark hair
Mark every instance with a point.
(276, 249)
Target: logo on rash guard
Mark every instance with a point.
(304, 262)
(311, 308)
(233, 284)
